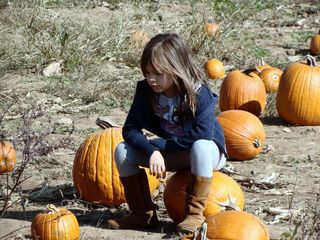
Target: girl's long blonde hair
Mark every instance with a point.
(168, 53)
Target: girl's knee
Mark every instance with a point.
(120, 152)
(202, 151)
(127, 159)
(206, 154)
(202, 145)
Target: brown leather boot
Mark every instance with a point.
(143, 210)
(197, 192)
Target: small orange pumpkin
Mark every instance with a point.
(8, 157)
(215, 68)
(55, 224)
(225, 193)
(244, 134)
(140, 37)
(271, 78)
(211, 28)
(315, 44)
(95, 174)
(243, 90)
(298, 97)
(236, 225)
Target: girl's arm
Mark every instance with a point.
(132, 129)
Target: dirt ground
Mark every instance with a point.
(279, 184)
(283, 177)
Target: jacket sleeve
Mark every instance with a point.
(132, 129)
(202, 126)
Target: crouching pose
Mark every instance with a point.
(175, 103)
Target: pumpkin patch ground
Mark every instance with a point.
(64, 64)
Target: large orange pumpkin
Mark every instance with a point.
(244, 134)
(95, 174)
(8, 157)
(55, 224)
(236, 225)
(298, 95)
(243, 90)
(315, 44)
(224, 193)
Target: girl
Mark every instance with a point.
(175, 103)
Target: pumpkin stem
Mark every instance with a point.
(105, 122)
(256, 143)
(249, 70)
(51, 208)
(230, 204)
(2, 137)
(259, 70)
(311, 61)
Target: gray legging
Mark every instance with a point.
(203, 157)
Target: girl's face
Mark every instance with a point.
(160, 82)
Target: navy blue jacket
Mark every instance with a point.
(141, 116)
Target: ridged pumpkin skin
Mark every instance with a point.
(58, 224)
(236, 225)
(271, 78)
(315, 44)
(224, 190)
(8, 157)
(298, 97)
(95, 174)
(215, 69)
(244, 134)
(242, 90)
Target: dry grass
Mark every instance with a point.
(101, 60)
(36, 33)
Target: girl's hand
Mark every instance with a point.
(156, 165)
